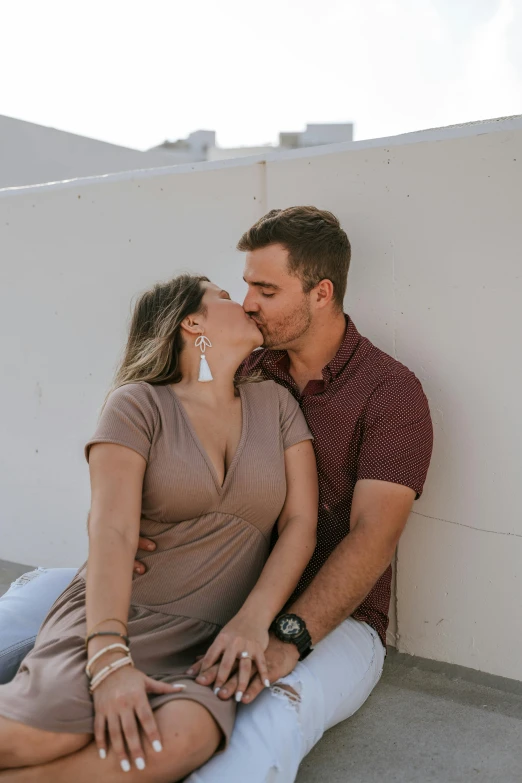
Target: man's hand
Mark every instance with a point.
(281, 659)
(148, 546)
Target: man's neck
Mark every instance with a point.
(318, 348)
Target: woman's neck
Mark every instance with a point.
(219, 390)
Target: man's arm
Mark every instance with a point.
(379, 513)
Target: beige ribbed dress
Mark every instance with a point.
(212, 542)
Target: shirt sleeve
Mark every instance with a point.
(294, 428)
(128, 419)
(397, 435)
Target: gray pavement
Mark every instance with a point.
(426, 722)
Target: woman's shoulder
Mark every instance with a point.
(260, 388)
(139, 394)
(138, 390)
(269, 390)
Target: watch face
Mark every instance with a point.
(290, 626)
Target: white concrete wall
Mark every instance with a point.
(72, 259)
(434, 220)
(437, 282)
(31, 154)
(226, 153)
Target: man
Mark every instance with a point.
(373, 440)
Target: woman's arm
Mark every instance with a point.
(116, 488)
(297, 526)
(120, 701)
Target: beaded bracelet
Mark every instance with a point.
(107, 633)
(102, 652)
(108, 670)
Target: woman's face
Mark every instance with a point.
(226, 323)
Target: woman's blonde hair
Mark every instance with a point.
(155, 342)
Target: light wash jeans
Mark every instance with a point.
(22, 611)
(271, 736)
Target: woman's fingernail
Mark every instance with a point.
(239, 695)
(223, 691)
(179, 686)
(158, 747)
(140, 763)
(102, 753)
(216, 690)
(267, 683)
(190, 671)
(202, 678)
(150, 546)
(125, 765)
(137, 570)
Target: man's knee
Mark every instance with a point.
(22, 745)
(290, 693)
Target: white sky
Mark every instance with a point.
(135, 72)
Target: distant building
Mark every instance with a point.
(193, 149)
(201, 145)
(31, 154)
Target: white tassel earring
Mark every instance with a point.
(204, 370)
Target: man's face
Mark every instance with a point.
(275, 298)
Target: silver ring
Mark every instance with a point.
(245, 655)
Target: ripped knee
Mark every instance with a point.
(286, 691)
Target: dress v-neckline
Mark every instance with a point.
(202, 449)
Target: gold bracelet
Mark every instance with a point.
(108, 620)
(107, 633)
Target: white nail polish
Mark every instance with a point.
(125, 765)
(267, 683)
(103, 753)
(157, 746)
(178, 686)
(239, 695)
(140, 763)
(216, 690)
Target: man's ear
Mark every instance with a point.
(322, 293)
(192, 326)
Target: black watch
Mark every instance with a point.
(291, 628)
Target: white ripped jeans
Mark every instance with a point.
(273, 735)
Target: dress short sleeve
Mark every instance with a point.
(397, 437)
(294, 428)
(128, 419)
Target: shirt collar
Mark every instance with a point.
(276, 362)
(345, 352)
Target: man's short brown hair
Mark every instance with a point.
(318, 248)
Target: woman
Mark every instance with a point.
(211, 466)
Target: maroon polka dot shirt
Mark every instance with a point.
(370, 420)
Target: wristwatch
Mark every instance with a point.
(291, 628)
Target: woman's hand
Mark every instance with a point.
(238, 636)
(120, 704)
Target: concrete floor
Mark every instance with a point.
(422, 726)
(425, 723)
